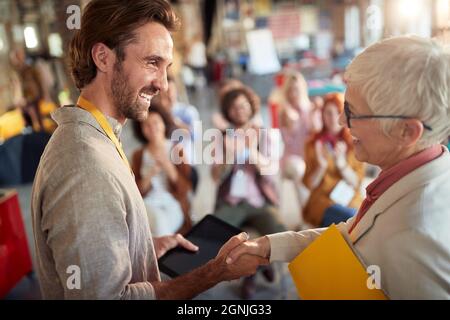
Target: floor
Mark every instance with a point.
(203, 202)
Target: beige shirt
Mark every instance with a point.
(88, 214)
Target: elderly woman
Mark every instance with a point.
(398, 111)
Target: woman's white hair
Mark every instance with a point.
(407, 76)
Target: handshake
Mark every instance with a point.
(240, 257)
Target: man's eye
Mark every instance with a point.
(152, 63)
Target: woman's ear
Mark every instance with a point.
(409, 132)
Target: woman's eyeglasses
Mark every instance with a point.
(349, 115)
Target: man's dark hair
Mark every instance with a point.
(113, 23)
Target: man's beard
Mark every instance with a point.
(124, 97)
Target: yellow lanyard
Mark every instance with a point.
(101, 119)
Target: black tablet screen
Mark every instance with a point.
(209, 235)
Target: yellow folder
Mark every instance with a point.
(328, 269)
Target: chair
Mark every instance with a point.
(20, 157)
(14, 253)
(12, 124)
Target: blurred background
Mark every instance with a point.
(257, 42)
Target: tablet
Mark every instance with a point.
(210, 234)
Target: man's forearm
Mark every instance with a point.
(189, 285)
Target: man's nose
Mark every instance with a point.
(163, 84)
(160, 83)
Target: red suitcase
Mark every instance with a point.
(15, 260)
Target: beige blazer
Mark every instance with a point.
(406, 233)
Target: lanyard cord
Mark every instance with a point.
(101, 119)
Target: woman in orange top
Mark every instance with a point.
(332, 172)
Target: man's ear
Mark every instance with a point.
(103, 57)
(409, 131)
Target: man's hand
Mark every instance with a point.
(244, 265)
(164, 244)
(259, 247)
(216, 270)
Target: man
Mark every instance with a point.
(398, 112)
(91, 231)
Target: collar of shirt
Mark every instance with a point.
(67, 114)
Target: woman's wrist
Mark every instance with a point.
(264, 244)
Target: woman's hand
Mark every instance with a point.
(322, 160)
(321, 154)
(160, 156)
(163, 160)
(152, 171)
(340, 155)
(259, 247)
